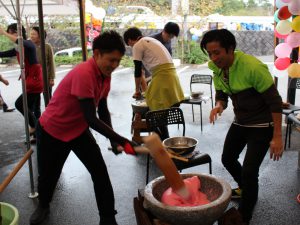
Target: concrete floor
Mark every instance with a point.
(74, 201)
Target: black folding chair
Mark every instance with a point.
(197, 80)
(201, 79)
(167, 117)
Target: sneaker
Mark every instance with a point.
(39, 215)
(6, 109)
(236, 193)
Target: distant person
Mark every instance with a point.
(257, 107)
(164, 90)
(33, 72)
(2, 102)
(65, 126)
(50, 65)
(170, 31)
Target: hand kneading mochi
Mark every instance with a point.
(196, 197)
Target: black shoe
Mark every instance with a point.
(6, 109)
(108, 221)
(39, 215)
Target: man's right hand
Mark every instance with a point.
(137, 95)
(215, 112)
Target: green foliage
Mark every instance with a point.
(127, 61)
(5, 44)
(195, 55)
(66, 60)
(190, 52)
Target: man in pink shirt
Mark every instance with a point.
(64, 126)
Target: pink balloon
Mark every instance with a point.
(293, 39)
(283, 50)
(286, 1)
(294, 7)
(280, 36)
(282, 63)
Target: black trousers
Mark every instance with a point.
(31, 100)
(52, 154)
(257, 141)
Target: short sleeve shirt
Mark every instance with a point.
(63, 117)
(151, 52)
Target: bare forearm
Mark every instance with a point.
(277, 119)
(10, 37)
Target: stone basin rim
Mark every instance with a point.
(225, 186)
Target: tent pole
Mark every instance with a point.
(32, 194)
(43, 52)
(81, 4)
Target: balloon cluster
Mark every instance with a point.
(93, 14)
(287, 18)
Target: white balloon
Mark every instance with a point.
(284, 27)
(98, 13)
(89, 6)
(193, 30)
(279, 73)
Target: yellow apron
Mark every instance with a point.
(164, 90)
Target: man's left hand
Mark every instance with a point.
(276, 148)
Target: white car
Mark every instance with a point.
(71, 52)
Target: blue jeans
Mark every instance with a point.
(257, 141)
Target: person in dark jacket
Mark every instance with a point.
(257, 109)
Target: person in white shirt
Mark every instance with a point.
(165, 90)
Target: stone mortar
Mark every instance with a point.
(217, 190)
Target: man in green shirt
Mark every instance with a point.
(257, 109)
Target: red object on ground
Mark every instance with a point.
(196, 197)
(298, 198)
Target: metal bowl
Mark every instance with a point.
(140, 106)
(181, 145)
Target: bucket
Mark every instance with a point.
(9, 213)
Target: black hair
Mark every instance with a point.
(14, 28)
(132, 33)
(172, 28)
(223, 36)
(109, 41)
(37, 29)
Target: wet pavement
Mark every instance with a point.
(74, 200)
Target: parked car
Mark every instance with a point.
(76, 51)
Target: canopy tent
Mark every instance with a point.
(30, 7)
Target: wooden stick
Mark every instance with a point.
(145, 150)
(8, 179)
(164, 163)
